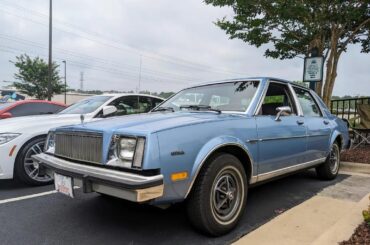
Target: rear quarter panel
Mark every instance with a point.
(339, 127)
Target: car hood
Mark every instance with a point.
(151, 122)
(29, 124)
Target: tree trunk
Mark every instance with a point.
(331, 67)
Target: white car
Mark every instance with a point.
(22, 137)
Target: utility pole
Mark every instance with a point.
(65, 81)
(141, 57)
(50, 92)
(81, 81)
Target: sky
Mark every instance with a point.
(161, 45)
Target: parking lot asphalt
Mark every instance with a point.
(93, 219)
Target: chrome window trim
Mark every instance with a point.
(216, 83)
(312, 96)
(252, 180)
(289, 85)
(262, 98)
(296, 101)
(317, 104)
(278, 172)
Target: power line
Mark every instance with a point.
(97, 68)
(99, 60)
(151, 55)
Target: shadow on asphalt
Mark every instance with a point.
(93, 219)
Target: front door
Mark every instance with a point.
(282, 143)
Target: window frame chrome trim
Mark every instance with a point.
(312, 96)
(259, 80)
(294, 97)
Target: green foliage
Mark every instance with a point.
(32, 77)
(366, 214)
(274, 99)
(293, 26)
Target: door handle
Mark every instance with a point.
(300, 122)
(326, 122)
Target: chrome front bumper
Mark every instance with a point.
(129, 186)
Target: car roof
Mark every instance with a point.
(128, 94)
(20, 102)
(13, 104)
(249, 78)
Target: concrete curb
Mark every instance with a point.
(344, 228)
(355, 167)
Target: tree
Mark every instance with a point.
(33, 77)
(292, 28)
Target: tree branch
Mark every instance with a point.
(353, 34)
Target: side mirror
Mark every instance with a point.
(6, 115)
(108, 110)
(281, 110)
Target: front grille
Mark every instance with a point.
(80, 146)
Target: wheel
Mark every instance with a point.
(28, 170)
(219, 196)
(330, 168)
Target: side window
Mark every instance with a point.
(308, 103)
(32, 109)
(44, 108)
(126, 105)
(145, 104)
(156, 102)
(20, 110)
(277, 95)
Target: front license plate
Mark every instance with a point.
(63, 184)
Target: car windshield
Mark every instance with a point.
(5, 105)
(230, 96)
(87, 105)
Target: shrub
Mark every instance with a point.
(366, 214)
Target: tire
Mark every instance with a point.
(330, 168)
(223, 178)
(26, 169)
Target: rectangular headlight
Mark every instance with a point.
(127, 148)
(130, 152)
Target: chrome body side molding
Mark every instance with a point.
(276, 173)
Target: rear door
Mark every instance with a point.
(318, 127)
(281, 143)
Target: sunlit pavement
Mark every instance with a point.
(36, 215)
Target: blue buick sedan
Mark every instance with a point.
(207, 144)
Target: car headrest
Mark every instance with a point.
(270, 109)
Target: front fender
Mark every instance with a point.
(213, 145)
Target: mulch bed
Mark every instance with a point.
(360, 237)
(360, 155)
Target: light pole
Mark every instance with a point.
(50, 92)
(65, 81)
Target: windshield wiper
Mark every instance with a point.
(164, 109)
(200, 107)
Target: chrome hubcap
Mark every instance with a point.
(334, 160)
(32, 168)
(227, 194)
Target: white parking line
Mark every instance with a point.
(27, 197)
